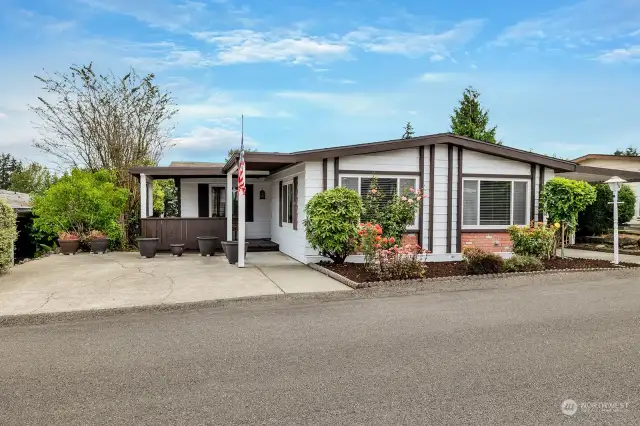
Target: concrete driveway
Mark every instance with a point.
(116, 280)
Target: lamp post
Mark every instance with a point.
(615, 183)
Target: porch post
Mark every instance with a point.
(241, 225)
(143, 195)
(229, 205)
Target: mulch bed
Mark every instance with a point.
(356, 271)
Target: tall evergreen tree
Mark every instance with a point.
(408, 131)
(8, 166)
(469, 119)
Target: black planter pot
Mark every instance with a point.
(147, 247)
(230, 249)
(207, 245)
(177, 249)
(69, 246)
(99, 246)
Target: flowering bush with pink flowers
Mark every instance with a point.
(393, 212)
(400, 263)
(371, 242)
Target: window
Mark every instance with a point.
(494, 203)
(218, 202)
(287, 203)
(389, 186)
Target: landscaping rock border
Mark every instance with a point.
(346, 281)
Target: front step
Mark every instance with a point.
(262, 245)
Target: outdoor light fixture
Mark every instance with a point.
(615, 183)
(263, 195)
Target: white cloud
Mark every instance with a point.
(437, 57)
(215, 139)
(437, 77)
(248, 46)
(583, 23)
(3, 116)
(620, 55)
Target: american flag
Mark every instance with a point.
(241, 166)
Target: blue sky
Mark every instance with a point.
(558, 77)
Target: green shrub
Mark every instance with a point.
(479, 261)
(537, 240)
(80, 202)
(597, 218)
(8, 235)
(517, 263)
(332, 219)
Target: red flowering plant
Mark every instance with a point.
(399, 263)
(371, 240)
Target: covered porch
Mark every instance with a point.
(207, 204)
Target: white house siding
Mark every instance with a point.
(441, 170)
(399, 160)
(292, 242)
(259, 228)
(479, 163)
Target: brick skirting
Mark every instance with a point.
(494, 242)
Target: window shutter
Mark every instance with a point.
(295, 202)
(470, 203)
(495, 203)
(519, 203)
(203, 200)
(280, 201)
(249, 204)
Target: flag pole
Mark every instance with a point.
(241, 198)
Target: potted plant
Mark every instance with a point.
(176, 249)
(207, 245)
(69, 242)
(98, 241)
(147, 246)
(230, 249)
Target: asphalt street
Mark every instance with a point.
(501, 356)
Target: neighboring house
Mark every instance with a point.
(21, 204)
(475, 190)
(600, 167)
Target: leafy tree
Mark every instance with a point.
(236, 151)
(630, 152)
(469, 119)
(33, 178)
(563, 200)
(8, 166)
(597, 218)
(98, 121)
(81, 201)
(8, 235)
(408, 131)
(170, 197)
(332, 222)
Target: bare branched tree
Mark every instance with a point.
(94, 121)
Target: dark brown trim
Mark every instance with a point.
(496, 176)
(324, 173)
(432, 195)
(532, 209)
(459, 204)
(607, 173)
(421, 186)
(487, 231)
(179, 195)
(449, 195)
(377, 173)
(280, 205)
(336, 172)
(540, 186)
(295, 203)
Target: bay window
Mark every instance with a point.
(495, 203)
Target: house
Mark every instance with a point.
(475, 190)
(21, 204)
(600, 167)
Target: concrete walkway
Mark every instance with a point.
(589, 254)
(117, 280)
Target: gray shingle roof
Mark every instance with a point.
(17, 200)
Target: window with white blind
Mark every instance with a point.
(388, 186)
(494, 203)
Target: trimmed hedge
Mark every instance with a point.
(597, 219)
(8, 235)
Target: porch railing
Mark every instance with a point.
(183, 230)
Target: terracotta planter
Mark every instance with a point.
(230, 249)
(207, 245)
(99, 246)
(69, 246)
(177, 249)
(148, 247)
